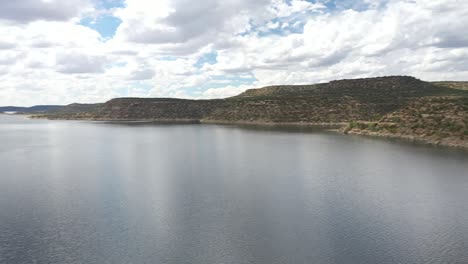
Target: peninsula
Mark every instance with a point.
(395, 107)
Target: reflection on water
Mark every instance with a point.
(78, 192)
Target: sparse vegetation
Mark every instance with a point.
(438, 120)
(397, 106)
(453, 85)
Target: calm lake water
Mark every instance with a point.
(83, 192)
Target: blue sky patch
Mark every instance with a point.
(210, 58)
(109, 4)
(105, 25)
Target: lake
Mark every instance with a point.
(90, 192)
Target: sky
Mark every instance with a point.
(86, 51)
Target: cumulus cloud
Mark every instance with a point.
(24, 11)
(75, 63)
(181, 27)
(379, 39)
(10, 57)
(47, 56)
(6, 45)
(181, 21)
(142, 74)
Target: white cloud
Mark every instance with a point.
(75, 63)
(23, 11)
(6, 45)
(142, 74)
(47, 57)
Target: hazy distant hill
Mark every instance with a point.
(33, 109)
(52, 110)
(356, 102)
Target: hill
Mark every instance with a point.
(346, 103)
(33, 109)
(436, 120)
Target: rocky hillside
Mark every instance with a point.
(368, 88)
(376, 101)
(453, 85)
(437, 120)
(162, 109)
(335, 102)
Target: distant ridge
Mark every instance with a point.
(405, 85)
(33, 109)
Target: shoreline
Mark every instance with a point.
(447, 143)
(199, 121)
(335, 127)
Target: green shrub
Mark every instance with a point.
(392, 130)
(372, 127)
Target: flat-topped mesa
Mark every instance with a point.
(334, 102)
(400, 79)
(169, 109)
(405, 86)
